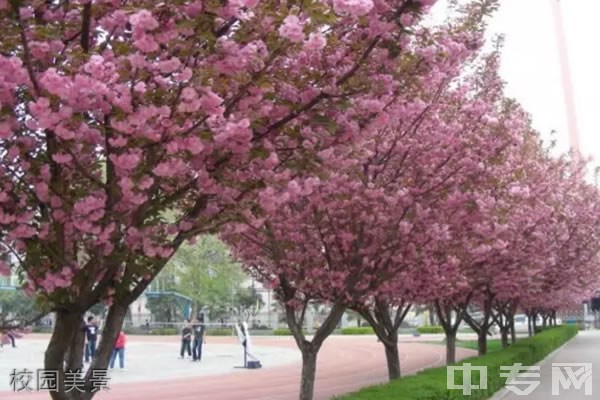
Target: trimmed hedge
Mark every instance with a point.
(357, 331)
(430, 329)
(284, 332)
(431, 383)
(165, 331)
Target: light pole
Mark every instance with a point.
(567, 84)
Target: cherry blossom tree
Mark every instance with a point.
(127, 128)
(353, 237)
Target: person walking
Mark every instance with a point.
(186, 339)
(198, 329)
(119, 351)
(91, 335)
(11, 336)
(6, 337)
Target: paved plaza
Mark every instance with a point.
(149, 360)
(154, 371)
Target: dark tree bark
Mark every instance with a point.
(450, 347)
(544, 321)
(386, 329)
(67, 323)
(309, 371)
(432, 314)
(513, 333)
(444, 314)
(504, 318)
(66, 347)
(504, 337)
(482, 343)
(482, 327)
(311, 349)
(75, 352)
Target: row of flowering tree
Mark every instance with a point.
(453, 201)
(351, 154)
(128, 127)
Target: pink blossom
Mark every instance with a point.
(146, 44)
(170, 168)
(194, 9)
(194, 145)
(315, 42)
(89, 204)
(353, 7)
(143, 20)
(211, 102)
(62, 158)
(291, 29)
(25, 12)
(126, 161)
(5, 130)
(169, 66)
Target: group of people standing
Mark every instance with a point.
(91, 330)
(192, 338)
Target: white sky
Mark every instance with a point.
(530, 65)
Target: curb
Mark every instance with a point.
(502, 393)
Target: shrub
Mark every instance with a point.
(41, 329)
(357, 331)
(165, 331)
(282, 332)
(430, 329)
(431, 383)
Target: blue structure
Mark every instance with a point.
(184, 302)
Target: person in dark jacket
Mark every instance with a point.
(91, 336)
(186, 340)
(198, 329)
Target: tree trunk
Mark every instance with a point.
(62, 337)
(432, 316)
(386, 328)
(310, 349)
(513, 333)
(534, 322)
(529, 325)
(309, 371)
(482, 342)
(544, 322)
(75, 352)
(393, 360)
(504, 333)
(450, 347)
(114, 323)
(444, 316)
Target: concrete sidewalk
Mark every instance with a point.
(583, 349)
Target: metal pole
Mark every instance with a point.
(567, 84)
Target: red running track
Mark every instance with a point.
(345, 364)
